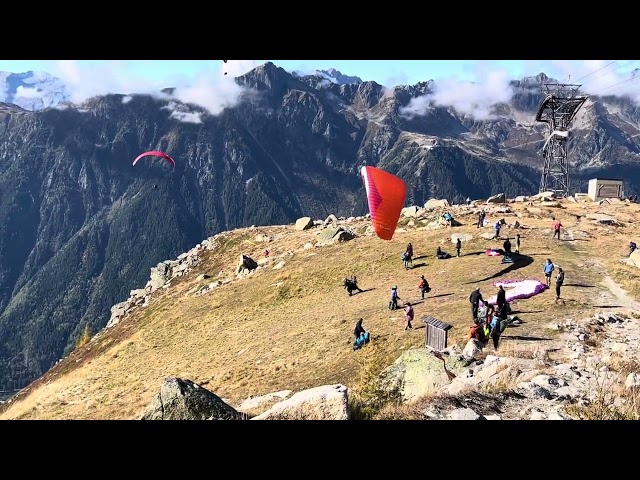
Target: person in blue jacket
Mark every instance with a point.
(548, 270)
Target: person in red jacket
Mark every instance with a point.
(556, 229)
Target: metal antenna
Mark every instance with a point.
(557, 110)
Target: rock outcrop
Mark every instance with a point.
(328, 402)
(181, 399)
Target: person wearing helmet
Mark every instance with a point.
(393, 301)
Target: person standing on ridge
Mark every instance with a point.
(458, 246)
(556, 229)
(559, 282)
(423, 286)
(474, 299)
(393, 301)
(517, 243)
(548, 270)
(497, 229)
(501, 298)
(408, 316)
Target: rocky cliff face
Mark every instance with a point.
(81, 226)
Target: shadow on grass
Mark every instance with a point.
(579, 285)
(442, 295)
(525, 339)
(519, 261)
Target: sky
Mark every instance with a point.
(470, 86)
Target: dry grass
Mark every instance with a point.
(292, 328)
(612, 401)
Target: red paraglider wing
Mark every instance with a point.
(155, 154)
(386, 195)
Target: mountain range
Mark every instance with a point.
(81, 226)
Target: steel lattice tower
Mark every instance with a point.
(557, 110)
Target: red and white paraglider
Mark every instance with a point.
(386, 195)
(155, 153)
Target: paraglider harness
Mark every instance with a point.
(350, 285)
(361, 341)
(424, 285)
(632, 247)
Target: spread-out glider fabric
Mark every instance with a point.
(386, 195)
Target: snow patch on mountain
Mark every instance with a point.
(32, 90)
(330, 75)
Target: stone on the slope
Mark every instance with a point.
(465, 414)
(328, 402)
(436, 203)
(255, 403)
(632, 381)
(601, 218)
(181, 399)
(331, 219)
(521, 198)
(634, 259)
(464, 237)
(488, 235)
(417, 372)
(308, 246)
(246, 263)
(332, 235)
(160, 274)
(543, 196)
(304, 223)
(472, 348)
(499, 198)
(279, 265)
(410, 211)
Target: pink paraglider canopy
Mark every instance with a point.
(519, 289)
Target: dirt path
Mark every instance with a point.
(621, 296)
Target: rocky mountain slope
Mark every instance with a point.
(32, 90)
(81, 225)
(204, 317)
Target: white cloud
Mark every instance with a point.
(601, 77)
(29, 92)
(472, 98)
(211, 89)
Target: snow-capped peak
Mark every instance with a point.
(332, 75)
(32, 90)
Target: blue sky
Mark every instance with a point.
(382, 71)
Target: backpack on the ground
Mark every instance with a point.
(503, 325)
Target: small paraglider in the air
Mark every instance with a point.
(155, 153)
(155, 186)
(225, 61)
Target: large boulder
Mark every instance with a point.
(263, 402)
(304, 223)
(410, 211)
(331, 235)
(499, 198)
(601, 218)
(246, 263)
(331, 219)
(417, 372)
(329, 402)
(181, 399)
(436, 203)
(634, 259)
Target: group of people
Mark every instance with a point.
(488, 322)
(492, 320)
